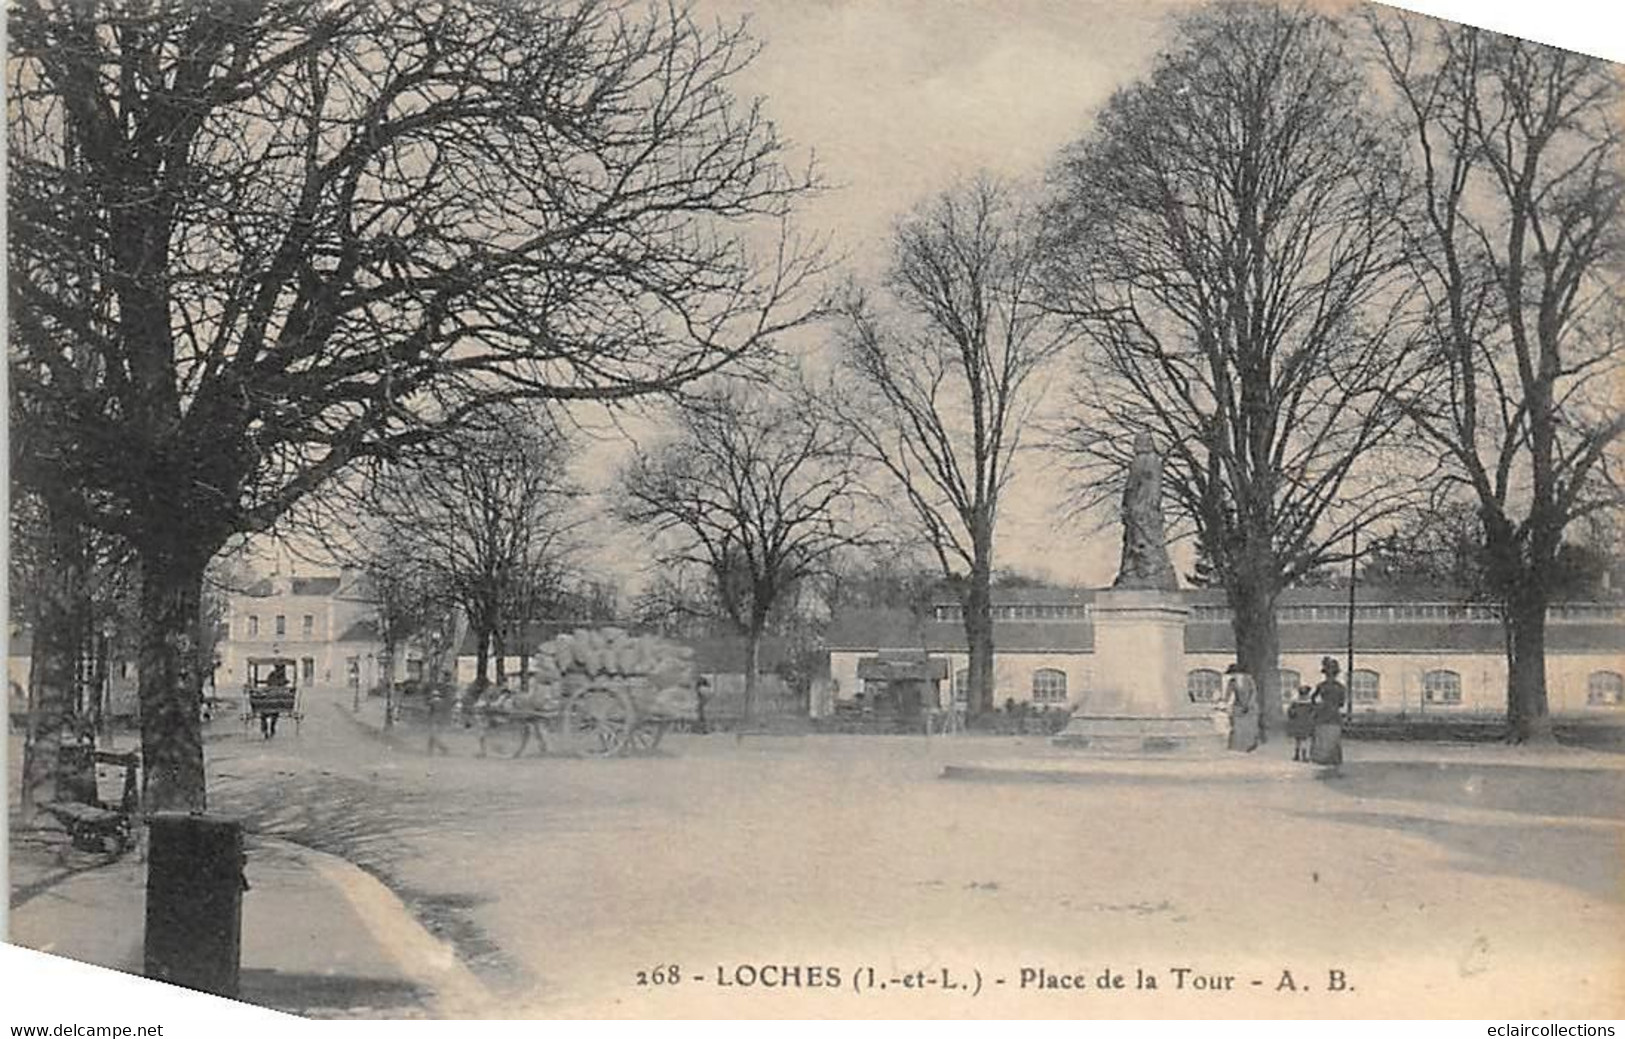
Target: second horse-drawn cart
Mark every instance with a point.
(597, 693)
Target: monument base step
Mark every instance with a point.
(1120, 733)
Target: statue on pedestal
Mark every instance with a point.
(1145, 551)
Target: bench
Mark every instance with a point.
(93, 824)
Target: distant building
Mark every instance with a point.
(119, 693)
(1416, 651)
(326, 624)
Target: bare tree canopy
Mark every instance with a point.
(1515, 239)
(1226, 244)
(938, 381)
(756, 494)
(484, 520)
(254, 242)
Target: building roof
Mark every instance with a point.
(725, 654)
(901, 630)
(265, 587)
(1410, 637)
(522, 640)
(903, 667)
(365, 630)
(1321, 596)
(720, 654)
(873, 631)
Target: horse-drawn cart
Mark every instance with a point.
(269, 692)
(598, 693)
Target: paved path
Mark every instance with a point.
(1438, 881)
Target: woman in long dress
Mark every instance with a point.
(1326, 748)
(1243, 696)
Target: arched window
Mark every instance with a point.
(1441, 687)
(1605, 689)
(1049, 685)
(1365, 685)
(1203, 685)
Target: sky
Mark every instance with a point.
(898, 99)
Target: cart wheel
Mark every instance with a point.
(599, 722)
(646, 735)
(504, 737)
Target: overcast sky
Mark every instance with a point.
(897, 99)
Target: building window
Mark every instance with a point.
(1365, 686)
(1290, 681)
(1605, 689)
(307, 625)
(281, 625)
(253, 626)
(307, 670)
(1203, 685)
(1049, 685)
(1441, 687)
(961, 686)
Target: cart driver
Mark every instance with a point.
(278, 679)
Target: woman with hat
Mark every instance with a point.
(1326, 747)
(1242, 696)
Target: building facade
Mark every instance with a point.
(326, 624)
(1416, 652)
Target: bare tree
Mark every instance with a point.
(484, 519)
(938, 386)
(1225, 244)
(253, 243)
(406, 602)
(1516, 240)
(756, 494)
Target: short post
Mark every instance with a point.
(195, 890)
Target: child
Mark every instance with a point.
(1300, 722)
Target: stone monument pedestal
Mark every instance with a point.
(1138, 700)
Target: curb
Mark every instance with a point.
(423, 958)
(1132, 771)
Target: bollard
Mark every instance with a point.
(194, 902)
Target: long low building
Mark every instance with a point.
(1415, 652)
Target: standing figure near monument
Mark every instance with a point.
(1242, 694)
(1145, 561)
(1326, 748)
(1300, 723)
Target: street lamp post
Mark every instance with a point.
(1354, 581)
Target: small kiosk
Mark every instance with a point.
(902, 685)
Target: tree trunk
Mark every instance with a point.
(388, 674)
(171, 687)
(753, 671)
(1258, 648)
(482, 656)
(96, 705)
(499, 651)
(1529, 717)
(61, 619)
(978, 610)
(55, 681)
